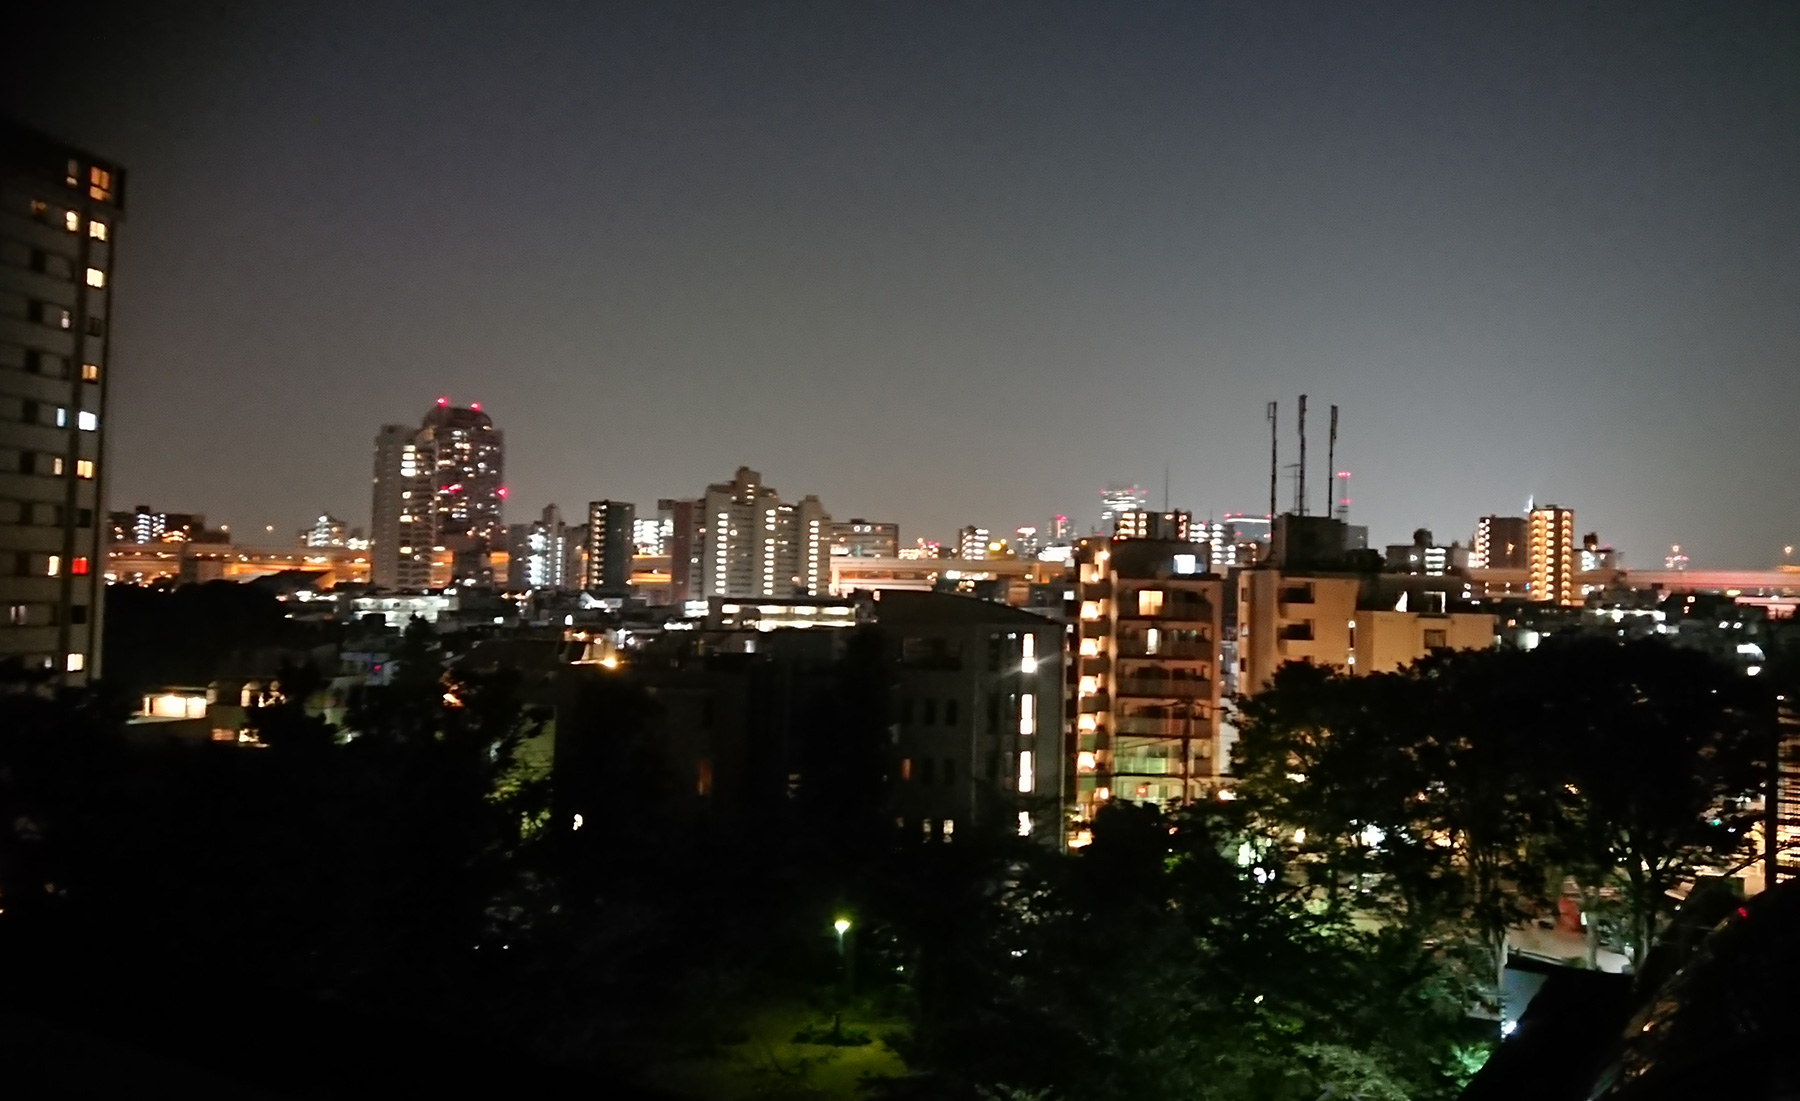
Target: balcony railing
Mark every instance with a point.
(1137, 648)
(1163, 688)
(1139, 726)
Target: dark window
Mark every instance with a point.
(927, 711)
(993, 713)
(78, 613)
(1436, 640)
(84, 518)
(28, 412)
(926, 769)
(906, 711)
(994, 647)
(993, 766)
(28, 462)
(949, 712)
(96, 326)
(706, 713)
(949, 770)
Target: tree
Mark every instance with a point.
(1664, 750)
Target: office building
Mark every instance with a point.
(1425, 556)
(141, 525)
(860, 538)
(755, 545)
(438, 491)
(1026, 543)
(60, 209)
(1551, 567)
(1145, 678)
(611, 545)
(1116, 499)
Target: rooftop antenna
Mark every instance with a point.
(1331, 465)
(1165, 487)
(1300, 480)
(1274, 458)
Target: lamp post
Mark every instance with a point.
(845, 965)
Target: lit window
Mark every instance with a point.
(75, 663)
(1150, 602)
(56, 465)
(1028, 714)
(96, 277)
(1090, 609)
(84, 468)
(90, 372)
(78, 566)
(1026, 776)
(62, 417)
(949, 828)
(97, 230)
(53, 566)
(72, 220)
(1090, 647)
(1024, 824)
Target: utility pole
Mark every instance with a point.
(1300, 482)
(1274, 460)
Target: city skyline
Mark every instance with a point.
(870, 252)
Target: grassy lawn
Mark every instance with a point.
(769, 1063)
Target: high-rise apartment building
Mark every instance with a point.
(1501, 543)
(1144, 524)
(611, 544)
(60, 209)
(754, 545)
(438, 488)
(972, 543)
(1551, 568)
(861, 538)
(543, 554)
(326, 531)
(1145, 678)
(684, 520)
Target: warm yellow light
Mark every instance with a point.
(842, 925)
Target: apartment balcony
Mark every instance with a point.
(1295, 632)
(1164, 688)
(1096, 590)
(1175, 650)
(1096, 665)
(1095, 704)
(1139, 726)
(1142, 765)
(1295, 594)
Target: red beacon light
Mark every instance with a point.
(443, 401)
(475, 405)
(502, 491)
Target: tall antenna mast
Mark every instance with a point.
(1165, 487)
(1274, 459)
(1331, 466)
(1300, 480)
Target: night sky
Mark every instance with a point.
(947, 264)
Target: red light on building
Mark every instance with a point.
(443, 401)
(78, 567)
(501, 491)
(475, 405)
